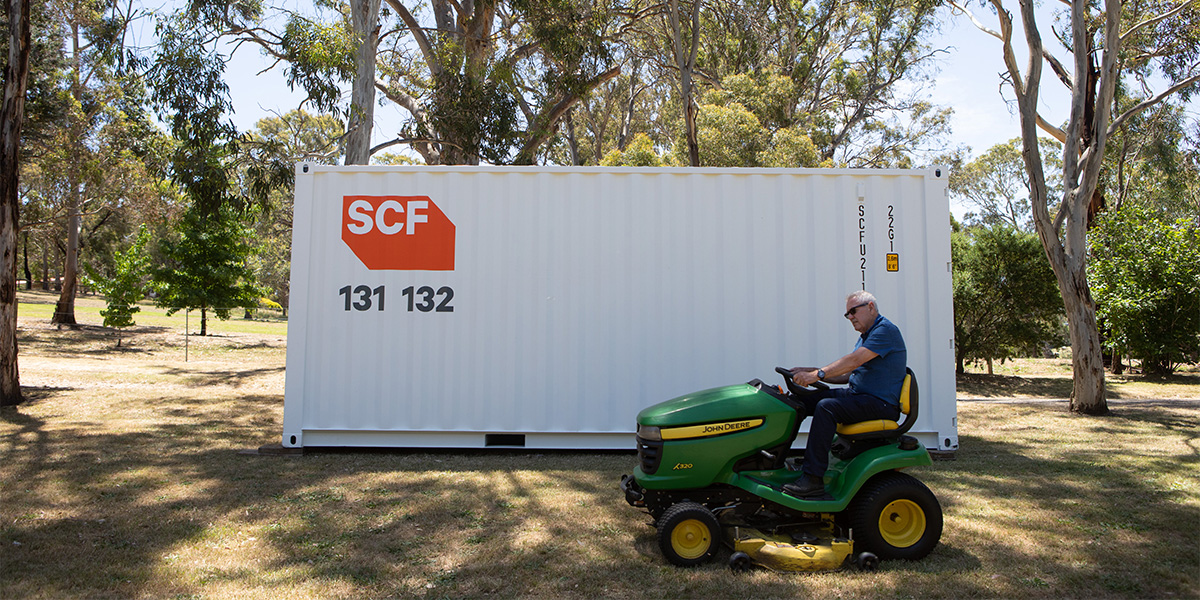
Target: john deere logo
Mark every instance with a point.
(726, 427)
(709, 429)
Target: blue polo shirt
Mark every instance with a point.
(882, 376)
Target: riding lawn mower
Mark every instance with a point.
(712, 466)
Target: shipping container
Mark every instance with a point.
(543, 307)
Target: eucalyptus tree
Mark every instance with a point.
(1111, 44)
(1151, 159)
(837, 68)
(480, 80)
(828, 70)
(996, 184)
(491, 80)
(293, 137)
(97, 119)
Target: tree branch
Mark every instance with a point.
(1155, 19)
(435, 66)
(413, 140)
(1054, 132)
(542, 127)
(1133, 112)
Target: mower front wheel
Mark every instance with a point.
(688, 534)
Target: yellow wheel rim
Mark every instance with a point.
(902, 523)
(691, 539)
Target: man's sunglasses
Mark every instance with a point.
(854, 309)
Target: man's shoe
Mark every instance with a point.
(806, 487)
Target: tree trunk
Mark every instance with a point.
(365, 17)
(64, 310)
(572, 143)
(45, 268)
(203, 322)
(1087, 359)
(629, 106)
(686, 61)
(28, 273)
(12, 115)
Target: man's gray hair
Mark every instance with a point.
(862, 297)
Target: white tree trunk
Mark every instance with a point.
(365, 18)
(685, 59)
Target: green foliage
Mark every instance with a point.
(571, 35)
(1006, 300)
(210, 163)
(789, 148)
(320, 56)
(1152, 160)
(769, 96)
(476, 111)
(126, 284)
(205, 266)
(729, 136)
(1145, 276)
(639, 153)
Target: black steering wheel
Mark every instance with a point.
(793, 387)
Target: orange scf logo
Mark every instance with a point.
(399, 233)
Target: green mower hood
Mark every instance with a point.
(728, 403)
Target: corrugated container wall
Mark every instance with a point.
(545, 307)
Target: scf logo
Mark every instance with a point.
(407, 233)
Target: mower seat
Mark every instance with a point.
(883, 429)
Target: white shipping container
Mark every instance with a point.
(545, 306)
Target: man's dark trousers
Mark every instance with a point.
(830, 407)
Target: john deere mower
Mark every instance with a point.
(712, 466)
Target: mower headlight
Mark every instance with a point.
(648, 433)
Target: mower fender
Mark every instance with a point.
(844, 478)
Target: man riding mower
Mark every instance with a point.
(714, 465)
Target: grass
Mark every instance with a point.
(1027, 378)
(122, 479)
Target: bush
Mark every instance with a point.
(1145, 278)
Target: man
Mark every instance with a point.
(875, 371)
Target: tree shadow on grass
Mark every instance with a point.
(88, 340)
(171, 509)
(980, 385)
(1095, 513)
(230, 377)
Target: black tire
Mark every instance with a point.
(688, 534)
(739, 562)
(867, 561)
(895, 516)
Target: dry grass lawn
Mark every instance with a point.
(122, 478)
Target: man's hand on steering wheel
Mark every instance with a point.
(804, 377)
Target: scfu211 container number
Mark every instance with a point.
(424, 298)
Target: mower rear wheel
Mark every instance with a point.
(688, 534)
(896, 517)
